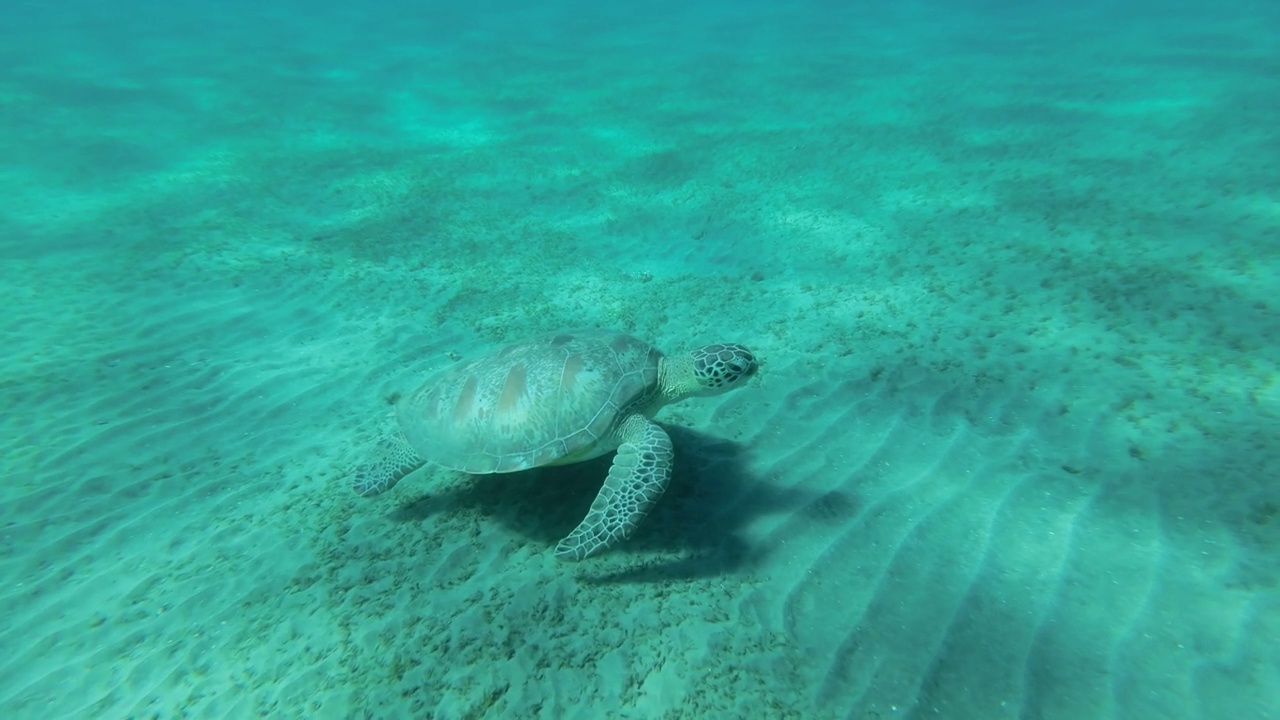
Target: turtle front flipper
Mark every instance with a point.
(393, 459)
(636, 480)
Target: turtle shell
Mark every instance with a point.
(552, 399)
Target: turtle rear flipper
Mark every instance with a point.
(637, 478)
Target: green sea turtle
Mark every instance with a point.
(553, 400)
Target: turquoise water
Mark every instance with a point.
(1011, 273)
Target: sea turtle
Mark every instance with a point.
(553, 400)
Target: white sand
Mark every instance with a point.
(1012, 452)
(861, 532)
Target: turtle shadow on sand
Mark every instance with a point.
(698, 522)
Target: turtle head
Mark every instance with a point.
(715, 369)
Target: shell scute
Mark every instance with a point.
(532, 403)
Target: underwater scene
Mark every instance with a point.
(470, 359)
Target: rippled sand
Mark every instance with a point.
(1012, 452)
(861, 531)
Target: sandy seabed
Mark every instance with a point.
(1012, 452)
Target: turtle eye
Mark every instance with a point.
(740, 363)
(718, 366)
(744, 361)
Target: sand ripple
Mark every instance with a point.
(846, 540)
